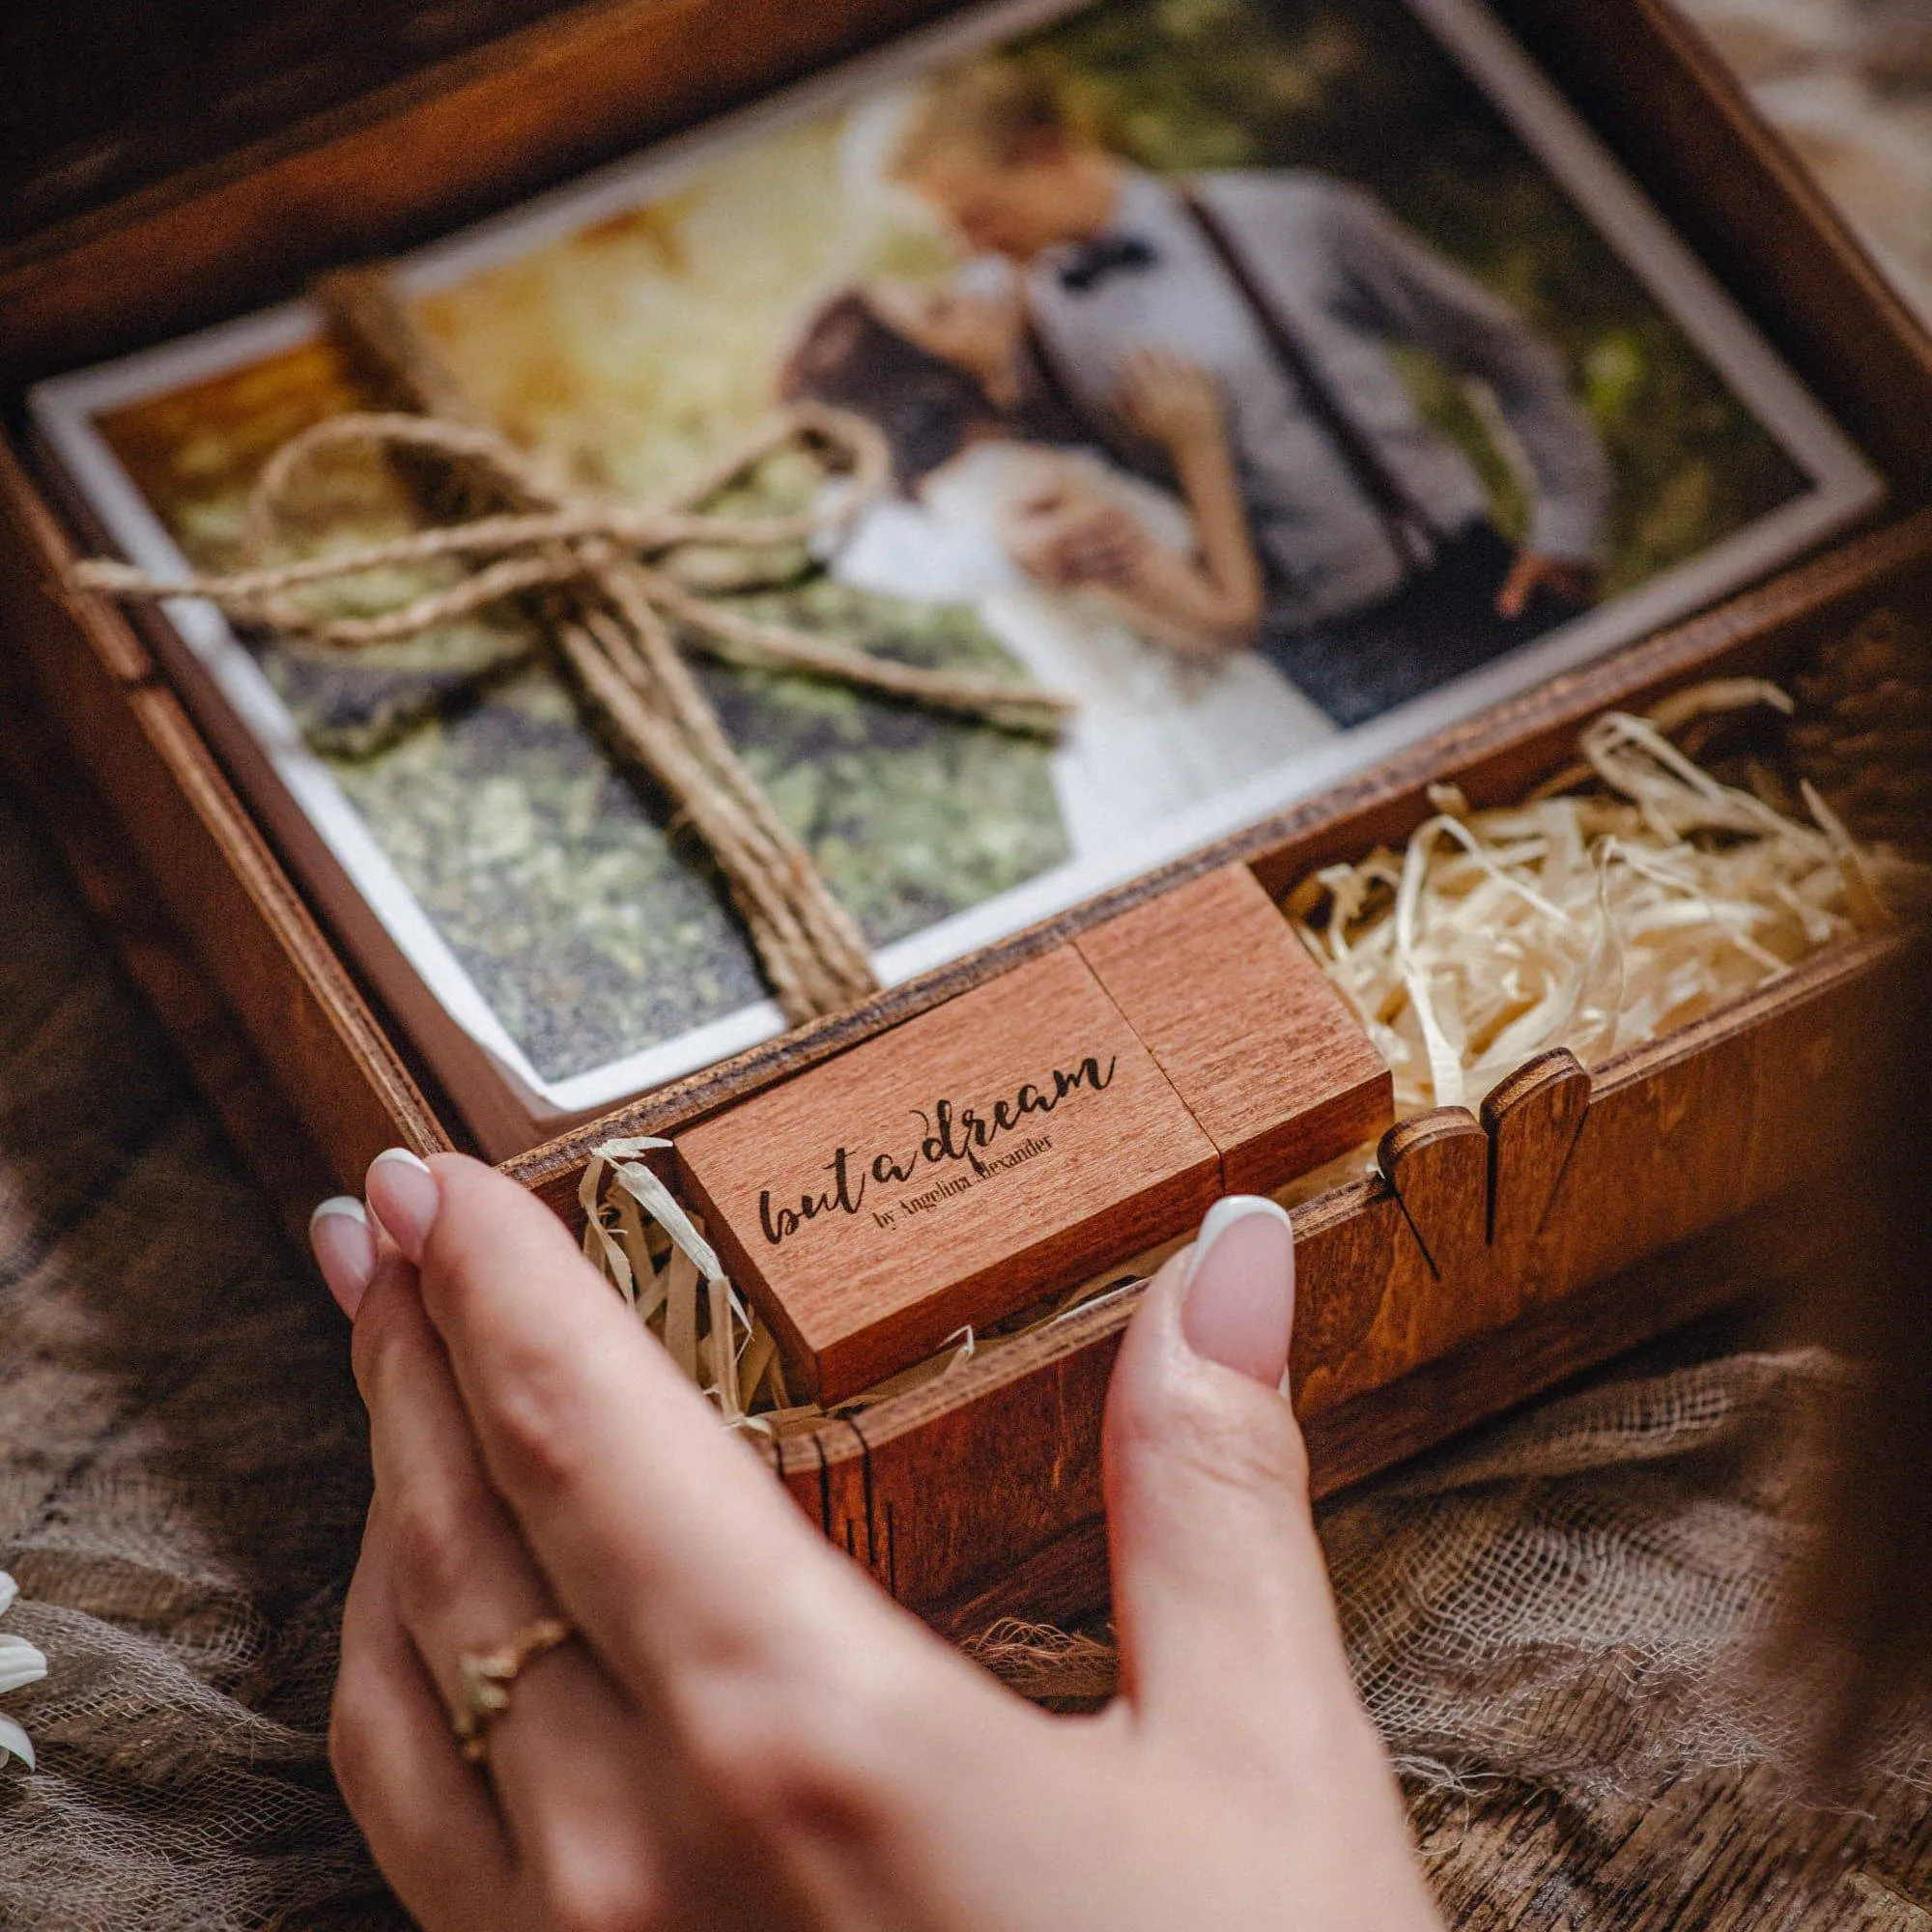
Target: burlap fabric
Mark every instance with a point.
(183, 1475)
(1584, 1593)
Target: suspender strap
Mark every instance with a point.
(1054, 389)
(1410, 532)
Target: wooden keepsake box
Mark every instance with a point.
(1582, 1213)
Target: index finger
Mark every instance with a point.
(660, 1532)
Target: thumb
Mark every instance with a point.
(1221, 1598)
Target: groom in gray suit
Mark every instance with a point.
(1387, 576)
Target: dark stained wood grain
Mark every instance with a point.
(404, 164)
(124, 98)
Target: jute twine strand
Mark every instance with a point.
(585, 567)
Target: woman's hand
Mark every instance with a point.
(1069, 536)
(744, 1731)
(1212, 605)
(1170, 401)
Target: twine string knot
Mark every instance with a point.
(593, 572)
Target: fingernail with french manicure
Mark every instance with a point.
(1239, 1305)
(345, 1249)
(405, 1196)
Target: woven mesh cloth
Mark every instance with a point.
(183, 1475)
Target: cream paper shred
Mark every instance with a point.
(1594, 918)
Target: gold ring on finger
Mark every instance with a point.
(485, 1679)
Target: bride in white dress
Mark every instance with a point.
(1139, 605)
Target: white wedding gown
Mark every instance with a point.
(1153, 734)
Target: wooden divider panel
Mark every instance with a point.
(1532, 1117)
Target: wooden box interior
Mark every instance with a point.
(1479, 1268)
(1582, 1213)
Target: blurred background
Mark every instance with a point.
(1848, 84)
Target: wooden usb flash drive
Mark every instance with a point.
(1027, 1134)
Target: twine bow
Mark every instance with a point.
(593, 572)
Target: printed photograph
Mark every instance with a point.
(1274, 381)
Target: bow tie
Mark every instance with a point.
(1092, 262)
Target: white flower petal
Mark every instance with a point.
(9, 1590)
(15, 1743)
(20, 1663)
